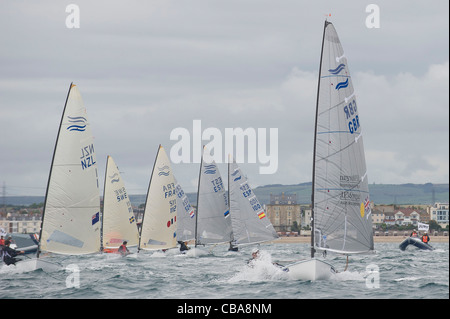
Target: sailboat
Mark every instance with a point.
(185, 216)
(249, 222)
(70, 222)
(119, 223)
(213, 222)
(71, 217)
(159, 223)
(341, 217)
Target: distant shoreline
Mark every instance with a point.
(376, 239)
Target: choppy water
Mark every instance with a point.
(392, 274)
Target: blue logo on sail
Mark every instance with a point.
(342, 85)
(162, 171)
(80, 123)
(113, 179)
(338, 69)
(210, 169)
(237, 178)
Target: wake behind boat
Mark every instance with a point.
(340, 219)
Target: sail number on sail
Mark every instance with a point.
(87, 156)
(350, 113)
(217, 184)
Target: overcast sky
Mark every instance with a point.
(145, 68)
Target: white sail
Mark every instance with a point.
(71, 218)
(213, 214)
(342, 216)
(249, 221)
(185, 216)
(119, 223)
(159, 224)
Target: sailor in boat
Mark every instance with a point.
(123, 250)
(256, 255)
(425, 238)
(7, 254)
(183, 246)
(2, 241)
(414, 234)
(232, 247)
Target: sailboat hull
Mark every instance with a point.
(311, 269)
(33, 264)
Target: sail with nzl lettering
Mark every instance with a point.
(71, 218)
(119, 223)
(159, 223)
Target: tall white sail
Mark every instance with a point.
(185, 216)
(342, 216)
(213, 214)
(159, 224)
(71, 218)
(119, 223)
(249, 221)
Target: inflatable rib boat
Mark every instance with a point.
(416, 242)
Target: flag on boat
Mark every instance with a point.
(422, 227)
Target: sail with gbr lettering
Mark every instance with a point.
(119, 223)
(159, 223)
(341, 204)
(71, 218)
(341, 218)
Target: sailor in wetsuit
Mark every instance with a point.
(7, 254)
(183, 246)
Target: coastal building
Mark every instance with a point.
(284, 212)
(439, 213)
(407, 216)
(21, 224)
(378, 216)
(389, 218)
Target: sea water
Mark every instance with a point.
(216, 273)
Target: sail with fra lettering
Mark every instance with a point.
(213, 213)
(341, 207)
(250, 223)
(119, 223)
(71, 218)
(159, 223)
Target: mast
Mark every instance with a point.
(315, 139)
(229, 206)
(145, 207)
(103, 211)
(198, 193)
(51, 169)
